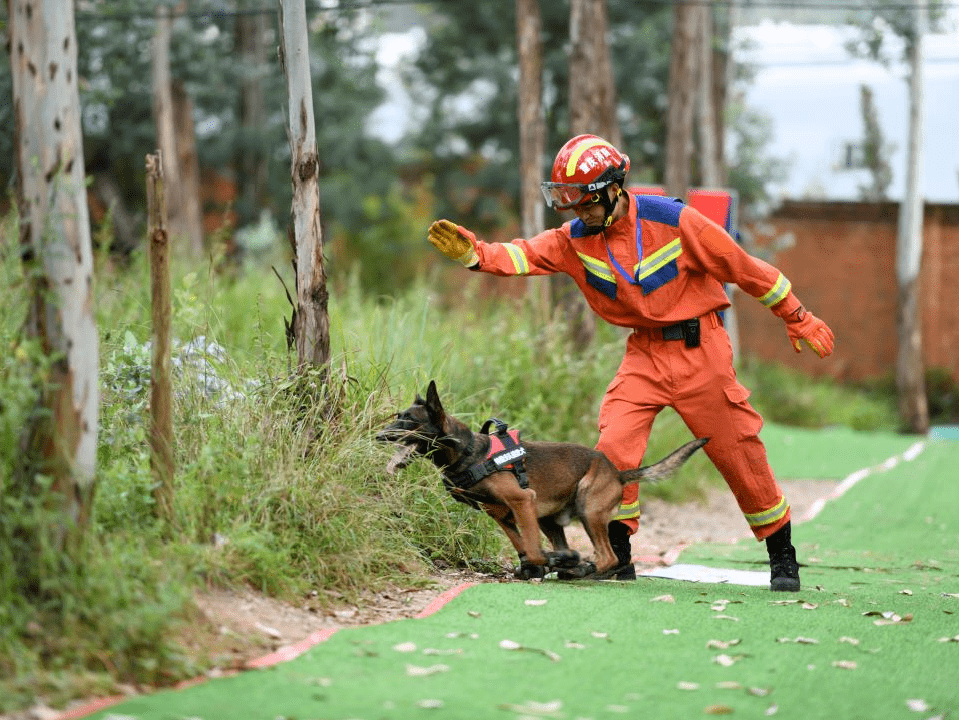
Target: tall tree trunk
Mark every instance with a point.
(251, 160)
(311, 322)
(189, 165)
(592, 100)
(910, 370)
(55, 239)
(681, 101)
(532, 135)
(709, 174)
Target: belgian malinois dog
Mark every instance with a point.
(564, 480)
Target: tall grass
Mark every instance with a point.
(280, 484)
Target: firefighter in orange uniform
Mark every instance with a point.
(657, 266)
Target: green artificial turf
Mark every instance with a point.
(873, 634)
(803, 453)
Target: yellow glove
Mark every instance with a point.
(455, 242)
(803, 326)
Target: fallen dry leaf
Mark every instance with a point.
(684, 685)
(905, 592)
(674, 631)
(448, 651)
(663, 598)
(396, 462)
(718, 710)
(429, 704)
(918, 705)
(759, 692)
(509, 645)
(531, 708)
(417, 671)
(954, 638)
(535, 602)
(850, 640)
(799, 640)
(721, 644)
(726, 660)
(575, 645)
(845, 664)
(729, 685)
(771, 710)
(474, 613)
(725, 617)
(405, 647)
(600, 635)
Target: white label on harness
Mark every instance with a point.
(507, 457)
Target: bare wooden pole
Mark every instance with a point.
(161, 384)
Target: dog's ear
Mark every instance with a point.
(433, 404)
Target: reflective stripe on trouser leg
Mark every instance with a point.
(629, 509)
(768, 517)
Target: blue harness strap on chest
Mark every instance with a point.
(506, 453)
(655, 208)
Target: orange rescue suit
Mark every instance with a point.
(661, 264)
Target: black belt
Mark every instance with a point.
(687, 330)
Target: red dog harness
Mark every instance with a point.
(506, 452)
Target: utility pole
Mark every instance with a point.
(910, 368)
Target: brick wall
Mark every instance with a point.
(841, 262)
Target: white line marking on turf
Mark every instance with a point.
(701, 573)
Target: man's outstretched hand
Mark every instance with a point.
(455, 242)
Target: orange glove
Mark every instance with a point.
(455, 242)
(802, 325)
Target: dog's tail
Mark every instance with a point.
(665, 467)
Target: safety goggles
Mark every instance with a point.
(563, 196)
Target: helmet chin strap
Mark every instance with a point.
(608, 207)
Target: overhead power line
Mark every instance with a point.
(347, 5)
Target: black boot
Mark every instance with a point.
(619, 539)
(783, 567)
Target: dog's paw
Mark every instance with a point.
(583, 570)
(562, 559)
(529, 571)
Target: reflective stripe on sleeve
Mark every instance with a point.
(516, 254)
(777, 293)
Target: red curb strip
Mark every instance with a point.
(284, 654)
(442, 599)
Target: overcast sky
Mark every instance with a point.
(811, 89)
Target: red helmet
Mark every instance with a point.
(583, 166)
